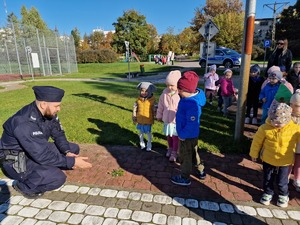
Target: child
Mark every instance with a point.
(166, 112)
(268, 93)
(227, 90)
(294, 76)
(209, 82)
(254, 87)
(275, 142)
(295, 105)
(143, 112)
(187, 126)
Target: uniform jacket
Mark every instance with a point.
(226, 86)
(188, 115)
(268, 92)
(29, 131)
(275, 146)
(145, 110)
(210, 81)
(167, 106)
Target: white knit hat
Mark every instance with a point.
(295, 97)
(173, 77)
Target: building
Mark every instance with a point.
(105, 32)
(262, 30)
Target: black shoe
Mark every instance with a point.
(202, 175)
(29, 196)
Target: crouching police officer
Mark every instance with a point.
(27, 156)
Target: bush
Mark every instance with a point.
(257, 53)
(97, 56)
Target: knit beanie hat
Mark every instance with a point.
(148, 86)
(255, 69)
(227, 70)
(188, 82)
(295, 97)
(280, 112)
(276, 74)
(173, 77)
(283, 94)
(212, 67)
(273, 68)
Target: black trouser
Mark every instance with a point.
(38, 178)
(278, 174)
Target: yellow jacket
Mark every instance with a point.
(275, 146)
(145, 110)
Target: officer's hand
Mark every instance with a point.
(70, 154)
(81, 163)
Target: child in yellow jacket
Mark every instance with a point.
(144, 111)
(275, 143)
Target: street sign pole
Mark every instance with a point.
(267, 44)
(128, 57)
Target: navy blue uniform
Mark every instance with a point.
(29, 131)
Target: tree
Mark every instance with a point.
(85, 43)
(187, 38)
(76, 36)
(108, 40)
(33, 18)
(153, 43)
(215, 8)
(288, 25)
(97, 40)
(169, 42)
(131, 27)
(231, 29)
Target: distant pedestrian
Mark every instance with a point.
(275, 143)
(227, 90)
(187, 126)
(143, 113)
(166, 112)
(254, 88)
(210, 79)
(281, 56)
(294, 76)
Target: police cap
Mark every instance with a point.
(48, 93)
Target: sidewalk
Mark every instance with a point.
(143, 193)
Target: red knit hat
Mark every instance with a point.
(188, 82)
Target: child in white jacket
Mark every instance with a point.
(210, 79)
(166, 112)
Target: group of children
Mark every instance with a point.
(180, 107)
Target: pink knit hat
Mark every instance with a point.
(173, 77)
(188, 82)
(272, 69)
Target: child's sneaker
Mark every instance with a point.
(283, 201)
(254, 121)
(149, 147)
(296, 185)
(202, 175)
(247, 120)
(173, 157)
(266, 199)
(142, 144)
(179, 180)
(168, 154)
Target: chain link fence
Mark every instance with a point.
(26, 51)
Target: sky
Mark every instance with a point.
(92, 14)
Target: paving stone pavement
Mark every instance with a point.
(90, 197)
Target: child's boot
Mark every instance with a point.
(149, 143)
(142, 142)
(168, 154)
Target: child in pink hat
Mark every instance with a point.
(166, 112)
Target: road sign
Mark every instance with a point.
(28, 49)
(210, 50)
(209, 29)
(267, 43)
(127, 45)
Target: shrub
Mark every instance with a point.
(97, 56)
(257, 53)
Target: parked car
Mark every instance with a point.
(223, 57)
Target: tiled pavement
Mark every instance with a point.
(143, 193)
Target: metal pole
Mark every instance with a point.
(17, 52)
(58, 57)
(8, 57)
(129, 76)
(245, 68)
(41, 52)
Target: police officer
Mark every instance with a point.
(29, 158)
